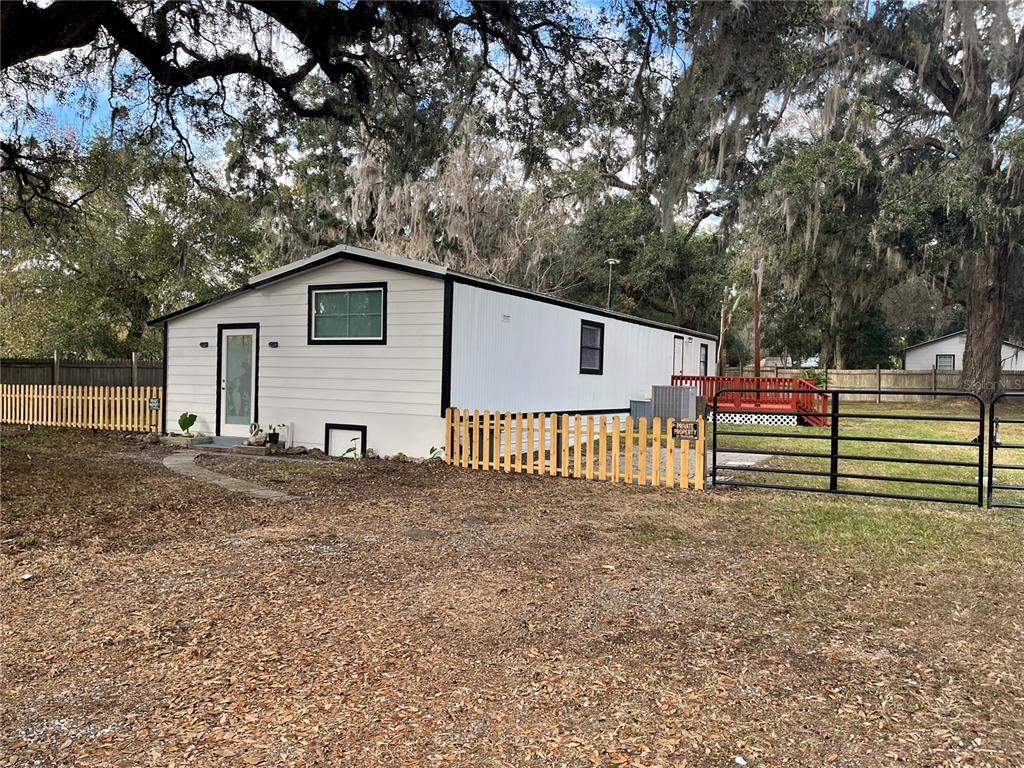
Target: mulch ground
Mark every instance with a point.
(416, 614)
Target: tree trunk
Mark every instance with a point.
(986, 322)
(724, 321)
(677, 310)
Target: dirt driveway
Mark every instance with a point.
(415, 614)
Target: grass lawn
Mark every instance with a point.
(954, 482)
(418, 614)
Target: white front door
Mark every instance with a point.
(237, 381)
(677, 356)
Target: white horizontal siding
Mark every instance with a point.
(922, 358)
(530, 361)
(393, 389)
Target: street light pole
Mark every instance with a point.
(611, 263)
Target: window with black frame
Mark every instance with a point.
(591, 347)
(352, 313)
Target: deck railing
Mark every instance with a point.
(776, 395)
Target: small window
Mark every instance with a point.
(348, 314)
(703, 359)
(945, 362)
(591, 347)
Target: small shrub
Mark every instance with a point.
(186, 421)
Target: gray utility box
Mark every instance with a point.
(640, 409)
(674, 402)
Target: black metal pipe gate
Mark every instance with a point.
(835, 442)
(996, 444)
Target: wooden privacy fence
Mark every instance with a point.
(627, 450)
(91, 373)
(880, 378)
(118, 408)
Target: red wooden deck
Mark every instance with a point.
(782, 396)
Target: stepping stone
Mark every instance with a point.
(184, 463)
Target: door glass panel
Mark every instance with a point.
(238, 380)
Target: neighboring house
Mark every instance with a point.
(788, 362)
(946, 353)
(352, 348)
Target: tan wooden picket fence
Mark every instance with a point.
(117, 408)
(627, 450)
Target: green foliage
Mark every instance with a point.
(676, 278)
(186, 421)
(865, 213)
(147, 238)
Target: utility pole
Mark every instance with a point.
(756, 274)
(611, 263)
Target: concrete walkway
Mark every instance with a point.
(184, 463)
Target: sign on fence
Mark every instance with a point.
(154, 403)
(633, 451)
(684, 430)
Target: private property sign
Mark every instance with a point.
(154, 403)
(684, 430)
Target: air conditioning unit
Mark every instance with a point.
(640, 409)
(674, 402)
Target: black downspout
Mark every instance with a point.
(163, 425)
(446, 347)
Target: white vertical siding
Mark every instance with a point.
(1013, 358)
(393, 389)
(518, 354)
(923, 357)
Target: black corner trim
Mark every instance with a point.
(221, 327)
(446, 344)
(163, 424)
(599, 371)
(382, 341)
(360, 428)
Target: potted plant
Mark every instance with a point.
(256, 435)
(185, 421)
(274, 435)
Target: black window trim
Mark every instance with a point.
(383, 286)
(360, 428)
(952, 367)
(705, 364)
(600, 364)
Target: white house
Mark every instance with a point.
(946, 353)
(351, 347)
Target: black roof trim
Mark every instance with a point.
(341, 252)
(198, 305)
(333, 255)
(480, 282)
